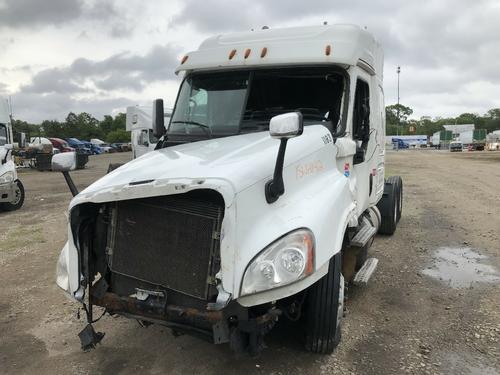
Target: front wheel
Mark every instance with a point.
(323, 309)
(388, 207)
(18, 200)
(398, 181)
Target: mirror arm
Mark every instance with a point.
(70, 183)
(276, 187)
(4, 160)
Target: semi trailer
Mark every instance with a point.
(259, 203)
(476, 139)
(441, 139)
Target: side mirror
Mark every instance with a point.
(282, 127)
(287, 125)
(158, 118)
(64, 162)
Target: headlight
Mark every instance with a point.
(7, 178)
(285, 261)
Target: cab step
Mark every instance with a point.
(364, 234)
(365, 272)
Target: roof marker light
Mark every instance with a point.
(184, 59)
(247, 53)
(264, 52)
(232, 53)
(328, 50)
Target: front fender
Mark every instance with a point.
(320, 201)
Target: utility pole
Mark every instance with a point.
(397, 127)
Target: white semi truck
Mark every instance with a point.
(260, 201)
(11, 188)
(139, 122)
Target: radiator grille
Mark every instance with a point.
(171, 241)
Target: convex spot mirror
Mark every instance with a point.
(64, 162)
(158, 118)
(287, 125)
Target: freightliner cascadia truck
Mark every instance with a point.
(259, 203)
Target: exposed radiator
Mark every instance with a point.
(171, 241)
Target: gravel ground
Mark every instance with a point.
(432, 307)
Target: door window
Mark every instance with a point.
(3, 134)
(361, 114)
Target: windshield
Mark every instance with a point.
(3, 135)
(228, 103)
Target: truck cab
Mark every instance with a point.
(456, 146)
(139, 122)
(11, 188)
(259, 202)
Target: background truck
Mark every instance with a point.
(442, 139)
(456, 146)
(139, 122)
(260, 202)
(475, 138)
(103, 146)
(79, 146)
(11, 188)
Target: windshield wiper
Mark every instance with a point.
(203, 126)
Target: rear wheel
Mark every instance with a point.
(18, 198)
(324, 309)
(388, 207)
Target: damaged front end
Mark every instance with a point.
(158, 260)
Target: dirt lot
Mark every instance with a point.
(433, 305)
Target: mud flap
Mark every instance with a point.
(89, 338)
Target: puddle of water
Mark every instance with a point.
(461, 268)
(464, 363)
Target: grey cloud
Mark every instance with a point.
(52, 80)
(17, 13)
(34, 13)
(121, 30)
(119, 71)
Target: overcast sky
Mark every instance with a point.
(58, 56)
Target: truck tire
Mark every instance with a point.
(19, 198)
(324, 309)
(388, 207)
(398, 181)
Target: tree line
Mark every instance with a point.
(428, 126)
(82, 126)
(112, 129)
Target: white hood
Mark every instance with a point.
(234, 163)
